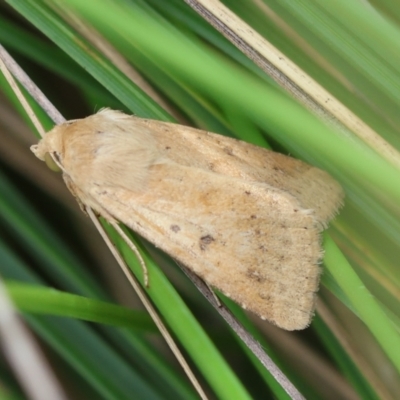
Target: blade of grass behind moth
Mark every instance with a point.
(365, 305)
(149, 307)
(125, 269)
(36, 93)
(106, 48)
(245, 336)
(78, 48)
(290, 77)
(338, 341)
(24, 355)
(107, 370)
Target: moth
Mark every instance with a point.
(247, 220)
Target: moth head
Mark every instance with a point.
(50, 149)
(109, 148)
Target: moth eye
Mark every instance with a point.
(53, 165)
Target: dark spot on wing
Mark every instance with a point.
(253, 216)
(228, 150)
(247, 192)
(205, 241)
(175, 228)
(255, 275)
(265, 297)
(99, 190)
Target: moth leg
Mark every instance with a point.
(72, 188)
(216, 298)
(201, 284)
(134, 249)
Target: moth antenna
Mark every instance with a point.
(143, 298)
(133, 247)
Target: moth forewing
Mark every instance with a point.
(227, 156)
(245, 219)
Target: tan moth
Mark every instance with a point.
(245, 219)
